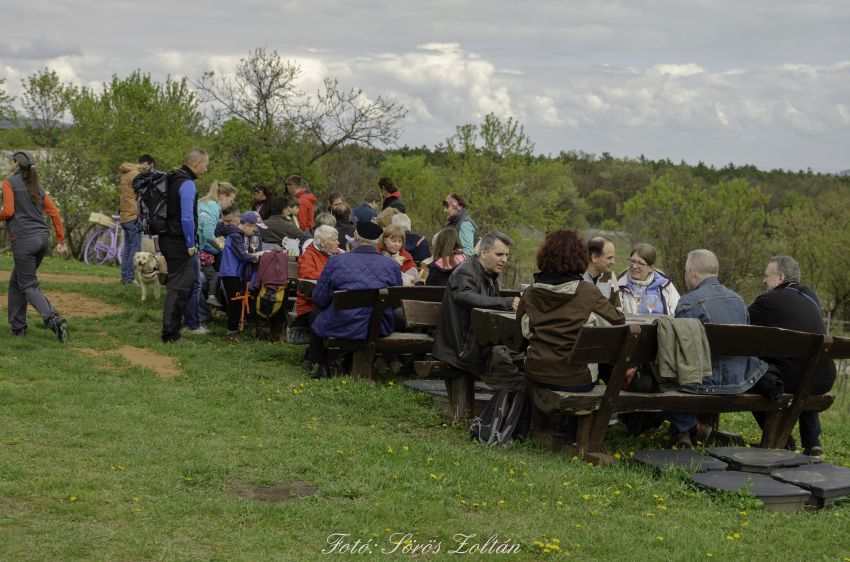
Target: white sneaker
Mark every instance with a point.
(200, 331)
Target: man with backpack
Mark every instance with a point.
(178, 243)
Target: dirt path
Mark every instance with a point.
(65, 278)
(162, 365)
(71, 305)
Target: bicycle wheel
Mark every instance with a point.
(99, 247)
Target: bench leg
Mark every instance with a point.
(361, 365)
(582, 448)
(462, 399)
(770, 430)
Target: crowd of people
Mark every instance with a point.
(213, 250)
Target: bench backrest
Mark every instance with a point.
(602, 344)
(368, 297)
(420, 314)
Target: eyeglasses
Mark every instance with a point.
(637, 264)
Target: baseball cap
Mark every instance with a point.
(23, 157)
(252, 217)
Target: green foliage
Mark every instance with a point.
(44, 103)
(728, 219)
(816, 232)
(506, 189)
(135, 116)
(246, 155)
(7, 112)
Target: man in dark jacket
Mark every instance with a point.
(364, 267)
(789, 305)
(278, 226)
(178, 243)
(474, 284)
(391, 195)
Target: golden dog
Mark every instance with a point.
(152, 271)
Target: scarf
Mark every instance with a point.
(393, 194)
(324, 250)
(651, 286)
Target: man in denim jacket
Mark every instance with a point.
(711, 302)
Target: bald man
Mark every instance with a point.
(709, 301)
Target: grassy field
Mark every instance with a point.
(102, 460)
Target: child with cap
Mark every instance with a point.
(233, 260)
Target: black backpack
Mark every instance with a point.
(505, 419)
(151, 187)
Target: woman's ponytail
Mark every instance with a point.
(30, 177)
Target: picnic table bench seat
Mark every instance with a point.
(637, 342)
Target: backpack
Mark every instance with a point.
(269, 301)
(151, 187)
(506, 418)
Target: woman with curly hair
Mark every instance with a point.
(553, 310)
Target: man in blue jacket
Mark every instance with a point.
(364, 267)
(178, 243)
(709, 301)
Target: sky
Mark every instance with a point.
(762, 82)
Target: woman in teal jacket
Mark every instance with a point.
(455, 208)
(220, 196)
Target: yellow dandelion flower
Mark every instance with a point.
(405, 448)
(73, 498)
(556, 541)
(433, 476)
(660, 538)
(737, 536)
(389, 449)
(501, 501)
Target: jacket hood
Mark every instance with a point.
(306, 195)
(547, 297)
(128, 167)
(222, 229)
(445, 266)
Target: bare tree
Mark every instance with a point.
(339, 118)
(264, 94)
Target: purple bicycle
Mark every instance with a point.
(103, 245)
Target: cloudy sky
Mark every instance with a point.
(764, 82)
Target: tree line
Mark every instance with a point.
(260, 126)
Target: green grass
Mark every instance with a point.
(64, 266)
(152, 464)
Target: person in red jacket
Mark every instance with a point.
(24, 201)
(310, 266)
(306, 212)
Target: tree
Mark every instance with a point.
(44, 103)
(7, 112)
(816, 232)
(268, 128)
(506, 188)
(728, 219)
(135, 116)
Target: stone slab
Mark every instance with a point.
(775, 495)
(760, 461)
(825, 481)
(687, 459)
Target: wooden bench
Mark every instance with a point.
(637, 343)
(380, 299)
(460, 385)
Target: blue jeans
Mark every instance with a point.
(132, 244)
(681, 421)
(196, 312)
